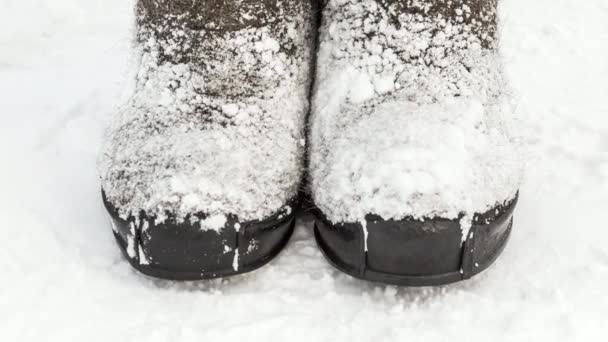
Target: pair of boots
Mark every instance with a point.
(410, 160)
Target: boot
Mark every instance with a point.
(201, 168)
(413, 167)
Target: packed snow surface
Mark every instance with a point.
(411, 114)
(63, 71)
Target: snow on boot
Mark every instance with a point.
(414, 169)
(201, 168)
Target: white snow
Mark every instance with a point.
(442, 145)
(211, 134)
(466, 223)
(235, 262)
(63, 67)
(143, 258)
(132, 246)
(365, 235)
(213, 222)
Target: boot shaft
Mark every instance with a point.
(219, 15)
(478, 16)
(422, 50)
(231, 46)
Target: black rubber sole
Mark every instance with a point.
(183, 251)
(412, 252)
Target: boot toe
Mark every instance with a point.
(192, 250)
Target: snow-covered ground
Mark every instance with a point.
(63, 68)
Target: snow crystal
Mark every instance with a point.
(143, 258)
(410, 113)
(145, 226)
(217, 116)
(131, 241)
(213, 222)
(253, 245)
(466, 223)
(235, 262)
(365, 234)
